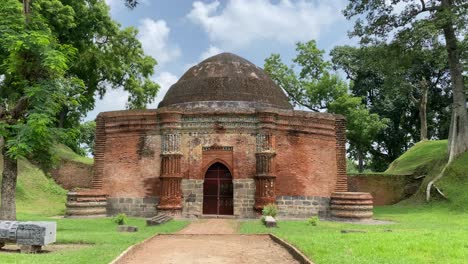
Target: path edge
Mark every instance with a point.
(296, 253)
(126, 252)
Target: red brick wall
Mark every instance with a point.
(127, 171)
(241, 159)
(305, 165)
(307, 145)
(70, 174)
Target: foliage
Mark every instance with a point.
(110, 57)
(80, 138)
(415, 237)
(313, 221)
(413, 20)
(120, 219)
(317, 88)
(387, 77)
(34, 85)
(270, 210)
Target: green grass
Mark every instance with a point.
(35, 192)
(101, 241)
(428, 158)
(420, 159)
(64, 152)
(38, 197)
(428, 234)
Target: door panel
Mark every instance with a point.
(218, 191)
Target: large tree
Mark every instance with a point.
(317, 88)
(404, 82)
(383, 19)
(110, 57)
(33, 87)
(57, 55)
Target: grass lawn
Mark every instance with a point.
(105, 242)
(424, 234)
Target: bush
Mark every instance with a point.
(120, 219)
(313, 221)
(270, 210)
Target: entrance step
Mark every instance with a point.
(211, 216)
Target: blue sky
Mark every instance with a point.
(181, 33)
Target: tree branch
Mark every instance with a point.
(20, 107)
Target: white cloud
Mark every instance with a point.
(165, 80)
(154, 36)
(114, 99)
(243, 22)
(211, 51)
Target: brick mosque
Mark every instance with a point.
(224, 140)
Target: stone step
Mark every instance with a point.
(158, 219)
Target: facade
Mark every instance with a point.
(224, 140)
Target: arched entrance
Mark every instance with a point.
(218, 191)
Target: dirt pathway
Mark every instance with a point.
(209, 241)
(211, 227)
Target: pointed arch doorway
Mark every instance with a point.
(218, 190)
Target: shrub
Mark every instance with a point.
(270, 210)
(120, 219)
(313, 221)
(263, 219)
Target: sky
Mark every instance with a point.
(182, 33)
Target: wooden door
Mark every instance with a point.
(218, 191)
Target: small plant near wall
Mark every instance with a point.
(270, 210)
(268, 214)
(313, 221)
(120, 219)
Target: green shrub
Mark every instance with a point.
(263, 219)
(313, 221)
(270, 210)
(120, 219)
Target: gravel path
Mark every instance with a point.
(209, 241)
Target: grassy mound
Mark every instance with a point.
(36, 193)
(428, 158)
(65, 153)
(420, 159)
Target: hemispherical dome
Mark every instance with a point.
(226, 78)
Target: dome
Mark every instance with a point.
(226, 78)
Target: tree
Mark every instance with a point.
(317, 88)
(449, 17)
(110, 57)
(32, 89)
(388, 78)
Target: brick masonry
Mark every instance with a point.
(302, 206)
(309, 156)
(140, 207)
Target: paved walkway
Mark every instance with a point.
(209, 241)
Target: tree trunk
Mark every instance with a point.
(62, 117)
(360, 161)
(9, 176)
(458, 135)
(423, 109)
